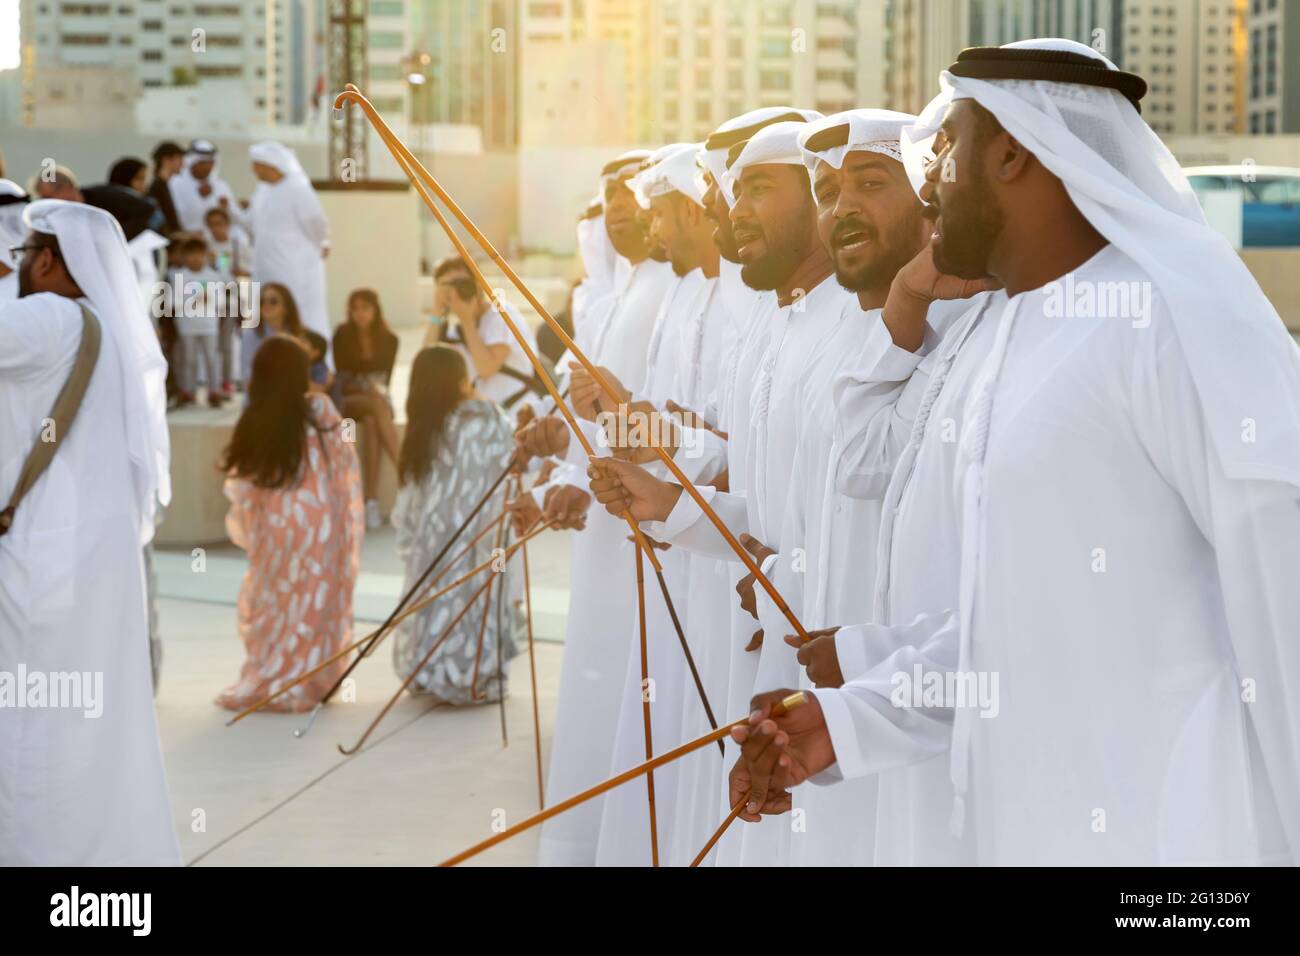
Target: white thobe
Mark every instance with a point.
(601, 627)
(81, 782)
(662, 360)
(795, 334)
(828, 551)
(9, 287)
(192, 208)
(919, 542)
(290, 236)
(1132, 600)
(676, 710)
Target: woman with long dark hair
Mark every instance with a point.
(455, 446)
(277, 314)
(365, 349)
(295, 507)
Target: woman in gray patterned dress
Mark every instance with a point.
(455, 446)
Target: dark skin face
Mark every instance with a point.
(775, 225)
(681, 226)
(997, 210)
(963, 202)
(201, 169)
(658, 250)
(622, 221)
(870, 220)
(719, 213)
(44, 271)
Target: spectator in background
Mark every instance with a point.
(465, 319)
(228, 244)
(290, 231)
(456, 444)
(229, 254)
(295, 507)
(277, 313)
(135, 213)
(55, 182)
(365, 349)
(132, 174)
(198, 187)
(167, 160)
(197, 322)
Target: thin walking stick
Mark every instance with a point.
(410, 165)
(532, 672)
(501, 595)
(413, 609)
(722, 828)
(789, 703)
(690, 658)
(406, 598)
(420, 178)
(645, 709)
(487, 528)
(418, 667)
(487, 610)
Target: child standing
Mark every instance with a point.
(231, 255)
(201, 291)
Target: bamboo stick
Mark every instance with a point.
(794, 700)
(414, 170)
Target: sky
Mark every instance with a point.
(8, 34)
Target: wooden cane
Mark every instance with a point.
(645, 709)
(414, 171)
(485, 586)
(722, 828)
(397, 619)
(789, 703)
(487, 610)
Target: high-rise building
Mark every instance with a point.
(567, 41)
(1192, 54)
(714, 60)
(268, 46)
(1095, 23)
(447, 62)
(924, 37)
(463, 56)
(1272, 96)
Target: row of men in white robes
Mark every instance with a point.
(1039, 532)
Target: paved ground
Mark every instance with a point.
(428, 783)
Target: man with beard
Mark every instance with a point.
(1127, 494)
(775, 228)
(871, 222)
(198, 187)
(658, 188)
(83, 783)
(602, 601)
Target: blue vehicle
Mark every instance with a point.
(1270, 210)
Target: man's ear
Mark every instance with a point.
(1011, 158)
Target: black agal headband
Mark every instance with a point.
(1058, 66)
(733, 137)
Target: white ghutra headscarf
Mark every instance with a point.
(13, 200)
(1130, 188)
(95, 253)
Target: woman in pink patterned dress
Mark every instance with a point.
(294, 486)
